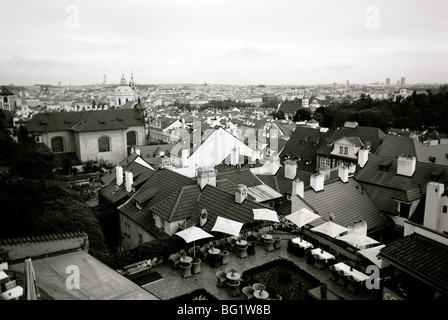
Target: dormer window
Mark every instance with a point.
(138, 205)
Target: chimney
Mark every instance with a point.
(274, 162)
(240, 193)
(129, 180)
(137, 151)
(363, 156)
(298, 188)
(343, 173)
(206, 175)
(185, 156)
(434, 194)
(406, 165)
(290, 169)
(326, 172)
(317, 182)
(203, 217)
(165, 163)
(234, 156)
(119, 175)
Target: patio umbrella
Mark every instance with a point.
(228, 226)
(302, 217)
(265, 214)
(372, 255)
(30, 287)
(330, 228)
(357, 240)
(192, 234)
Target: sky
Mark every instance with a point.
(239, 42)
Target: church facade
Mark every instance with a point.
(125, 92)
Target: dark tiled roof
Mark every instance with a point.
(394, 146)
(111, 119)
(245, 177)
(179, 205)
(53, 121)
(290, 107)
(226, 185)
(371, 174)
(408, 195)
(146, 194)
(368, 135)
(298, 147)
(151, 150)
(347, 203)
(281, 184)
(420, 256)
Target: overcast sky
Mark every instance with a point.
(223, 41)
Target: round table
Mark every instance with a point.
(241, 242)
(214, 251)
(233, 276)
(186, 259)
(261, 294)
(267, 236)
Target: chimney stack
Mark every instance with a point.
(185, 156)
(119, 175)
(129, 177)
(290, 169)
(206, 175)
(203, 217)
(363, 156)
(240, 193)
(137, 151)
(317, 182)
(434, 218)
(343, 173)
(234, 156)
(406, 165)
(298, 188)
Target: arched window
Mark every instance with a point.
(57, 144)
(103, 144)
(131, 138)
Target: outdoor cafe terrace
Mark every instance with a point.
(175, 283)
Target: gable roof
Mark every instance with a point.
(368, 135)
(303, 144)
(394, 146)
(421, 257)
(348, 204)
(290, 107)
(85, 121)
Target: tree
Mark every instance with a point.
(302, 115)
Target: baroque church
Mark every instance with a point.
(125, 92)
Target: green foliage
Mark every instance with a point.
(302, 115)
(4, 255)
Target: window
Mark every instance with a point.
(405, 208)
(445, 209)
(341, 150)
(131, 138)
(57, 144)
(345, 150)
(103, 144)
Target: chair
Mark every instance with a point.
(343, 279)
(334, 274)
(277, 244)
(205, 253)
(349, 263)
(241, 251)
(251, 250)
(196, 266)
(221, 279)
(300, 251)
(354, 285)
(244, 281)
(233, 288)
(269, 244)
(259, 286)
(278, 297)
(335, 253)
(185, 270)
(291, 247)
(253, 238)
(310, 258)
(224, 257)
(175, 260)
(248, 292)
(319, 263)
(359, 268)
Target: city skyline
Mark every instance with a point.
(224, 42)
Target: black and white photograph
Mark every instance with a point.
(230, 157)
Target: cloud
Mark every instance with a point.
(25, 62)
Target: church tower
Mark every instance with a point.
(132, 82)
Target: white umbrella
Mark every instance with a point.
(192, 234)
(265, 214)
(302, 217)
(372, 255)
(357, 240)
(228, 226)
(30, 287)
(330, 229)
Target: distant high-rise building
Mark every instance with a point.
(403, 81)
(104, 80)
(347, 84)
(387, 81)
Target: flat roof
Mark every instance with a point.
(96, 280)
